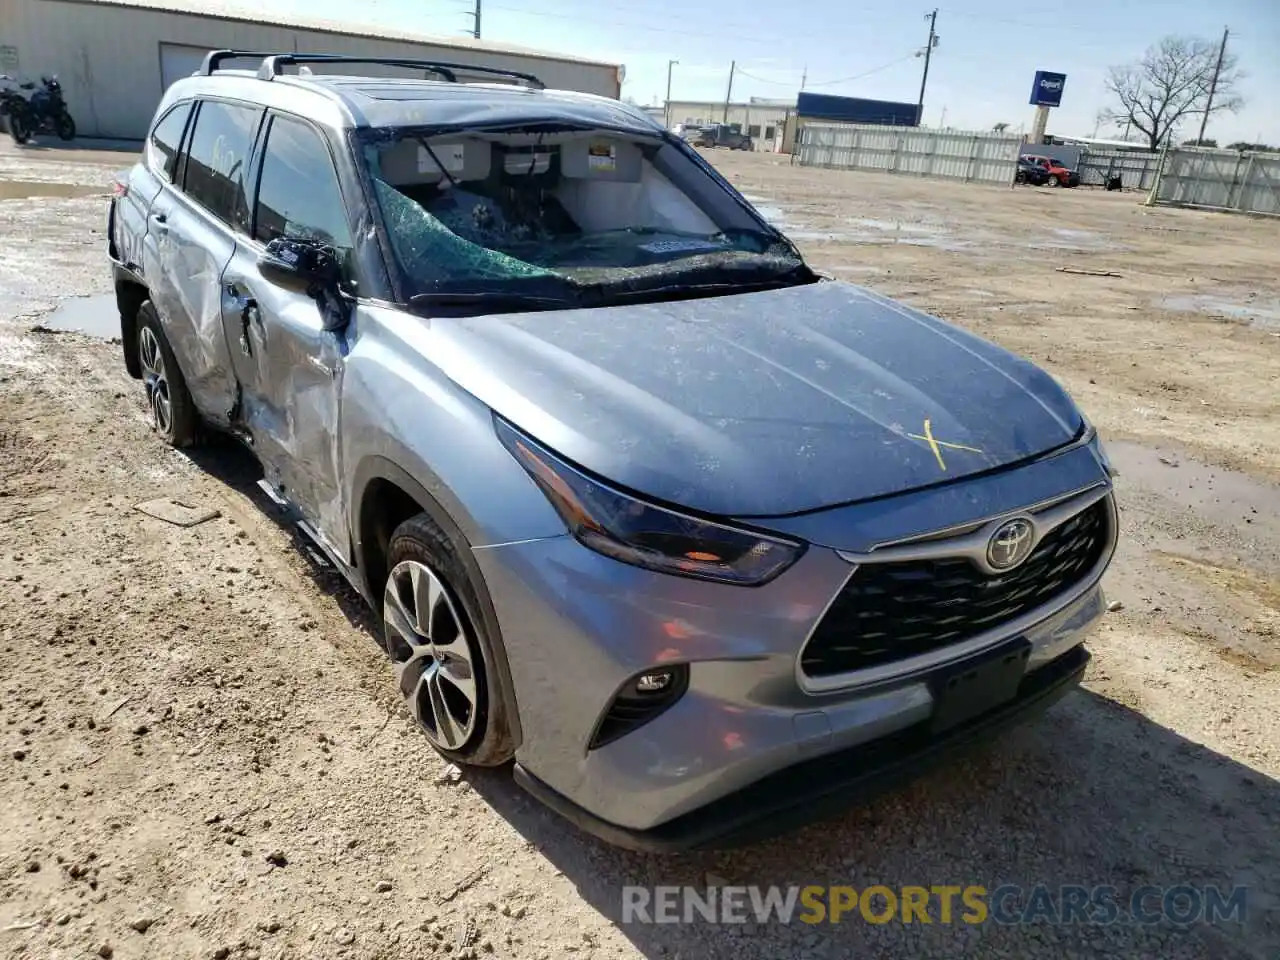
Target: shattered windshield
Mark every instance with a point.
(560, 214)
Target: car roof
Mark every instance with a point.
(371, 102)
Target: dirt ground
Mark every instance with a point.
(202, 754)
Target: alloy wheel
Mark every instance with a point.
(156, 379)
(428, 641)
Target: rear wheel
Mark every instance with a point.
(65, 126)
(444, 659)
(1053, 180)
(173, 412)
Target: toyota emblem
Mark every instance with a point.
(1011, 544)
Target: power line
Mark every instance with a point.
(662, 12)
(1017, 23)
(828, 83)
(866, 73)
(752, 76)
(633, 25)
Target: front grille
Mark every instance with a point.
(892, 611)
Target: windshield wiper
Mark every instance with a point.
(496, 299)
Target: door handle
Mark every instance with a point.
(160, 217)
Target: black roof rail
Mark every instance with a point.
(273, 62)
(213, 59)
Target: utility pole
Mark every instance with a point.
(667, 112)
(928, 51)
(476, 33)
(1213, 86)
(729, 93)
(804, 77)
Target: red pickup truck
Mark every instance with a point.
(1057, 174)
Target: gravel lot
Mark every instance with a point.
(202, 753)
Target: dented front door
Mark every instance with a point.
(289, 366)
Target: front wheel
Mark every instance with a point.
(65, 126)
(18, 128)
(444, 659)
(173, 412)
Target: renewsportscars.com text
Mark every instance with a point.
(1181, 905)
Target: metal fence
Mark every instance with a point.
(1219, 179)
(1184, 176)
(1136, 170)
(928, 153)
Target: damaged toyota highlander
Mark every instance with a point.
(708, 544)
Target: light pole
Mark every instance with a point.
(667, 112)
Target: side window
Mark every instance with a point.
(216, 159)
(298, 194)
(162, 145)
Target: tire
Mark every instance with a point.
(18, 128)
(1053, 180)
(173, 412)
(65, 126)
(1020, 177)
(437, 658)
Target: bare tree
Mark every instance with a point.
(1170, 83)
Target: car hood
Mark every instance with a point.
(759, 404)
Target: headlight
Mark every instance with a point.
(1090, 436)
(644, 535)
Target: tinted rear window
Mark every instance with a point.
(162, 147)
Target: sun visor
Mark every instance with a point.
(410, 161)
(601, 158)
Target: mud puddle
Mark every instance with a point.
(1233, 501)
(1082, 241)
(34, 189)
(1261, 312)
(95, 316)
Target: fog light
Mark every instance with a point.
(642, 698)
(653, 682)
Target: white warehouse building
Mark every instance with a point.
(114, 58)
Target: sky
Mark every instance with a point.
(981, 71)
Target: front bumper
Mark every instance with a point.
(825, 786)
(578, 626)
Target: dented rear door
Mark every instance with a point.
(191, 235)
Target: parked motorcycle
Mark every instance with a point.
(42, 109)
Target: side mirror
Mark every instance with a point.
(310, 268)
(299, 265)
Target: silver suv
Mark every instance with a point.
(706, 542)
